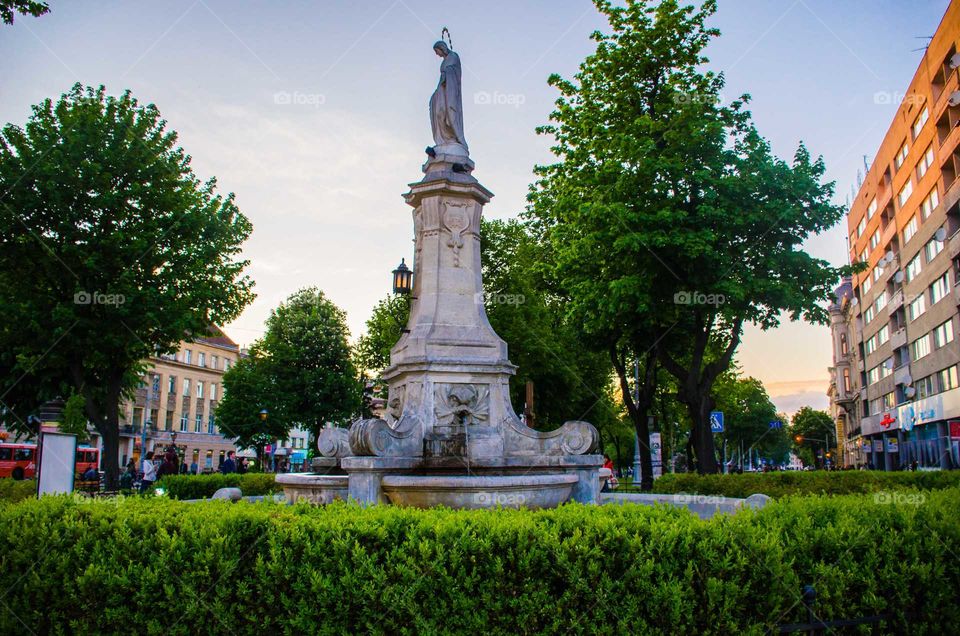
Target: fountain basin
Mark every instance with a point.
(475, 492)
(316, 489)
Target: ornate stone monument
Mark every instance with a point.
(450, 435)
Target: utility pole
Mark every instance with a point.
(636, 438)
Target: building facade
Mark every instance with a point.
(176, 404)
(899, 317)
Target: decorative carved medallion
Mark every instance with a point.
(456, 220)
(462, 404)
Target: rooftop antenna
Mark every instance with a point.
(922, 37)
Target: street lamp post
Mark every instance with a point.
(273, 448)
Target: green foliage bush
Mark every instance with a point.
(201, 486)
(13, 490)
(778, 484)
(156, 566)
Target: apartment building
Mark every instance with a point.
(177, 401)
(894, 388)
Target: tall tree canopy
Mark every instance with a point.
(670, 221)
(9, 8)
(817, 435)
(301, 371)
(112, 251)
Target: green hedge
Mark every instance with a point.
(778, 484)
(156, 566)
(13, 490)
(201, 486)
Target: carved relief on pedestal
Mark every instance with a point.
(461, 405)
(456, 221)
(395, 403)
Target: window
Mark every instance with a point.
(910, 229)
(913, 268)
(184, 419)
(929, 204)
(932, 248)
(920, 347)
(871, 345)
(905, 192)
(846, 380)
(883, 335)
(213, 391)
(916, 307)
(863, 255)
(199, 389)
(188, 356)
(186, 387)
(901, 155)
(919, 122)
(22, 454)
(924, 387)
(939, 288)
(198, 423)
(211, 427)
(172, 385)
(867, 284)
(889, 400)
(877, 273)
(844, 349)
(943, 334)
(226, 364)
(886, 368)
(201, 359)
(168, 421)
(873, 375)
(213, 362)
(876, 406)
(881, 301)
(925, 162)
(947, 379)
(862, 226)
(872, 209)
(868, 315)
(875, 239)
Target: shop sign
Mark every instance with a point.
(878, 446)
(892, 446)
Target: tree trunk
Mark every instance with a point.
(701, 437)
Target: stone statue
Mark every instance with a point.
(446, 106)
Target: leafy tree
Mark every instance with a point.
(75, 417)
(247, 390)
(308, 361)
(748, 412)
(384, 328)
(8, 8)
(112, 250)
(301, 372)
(671, 221)
(815, 428)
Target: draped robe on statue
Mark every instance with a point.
(446, 108)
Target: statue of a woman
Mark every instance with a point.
(446, 105)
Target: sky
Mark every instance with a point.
(315, 115)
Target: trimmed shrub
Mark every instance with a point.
(13, 490)
(156, 566)
(202, 486)
(780, 483)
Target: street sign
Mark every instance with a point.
(716, 421)
(776, 424)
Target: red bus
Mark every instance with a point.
(20, 460)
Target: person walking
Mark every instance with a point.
(168, 466)
(149, 474)
(241, 465)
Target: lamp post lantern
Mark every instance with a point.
(402, 278)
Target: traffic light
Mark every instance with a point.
(798, 439)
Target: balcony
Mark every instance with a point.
(953, 245)
(898, 338)
(895, 302)
(901, 375)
